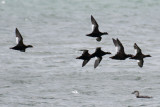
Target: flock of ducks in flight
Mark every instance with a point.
(86, 56)
(120, 53)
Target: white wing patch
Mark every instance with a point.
(135, 51)
(17, 40)
(92, 27)
(117, 49)
(138, 61)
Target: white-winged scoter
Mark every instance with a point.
(95, 30)
(85, 56)
(98, 53)
(139, 55)
(120, 53)
(19, 40)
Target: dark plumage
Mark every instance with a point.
(120, 53)
(98, 53)
(85, 56)
(19, 40)
(139, 55)
(138, 96)
(95, 30)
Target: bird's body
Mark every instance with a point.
(98, 53)
(21, 48)
(85, 56)
(120, 53)
(95, 30)
(19, 40)
(139, 55)
(139, 96)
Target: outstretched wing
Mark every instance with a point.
(94, 24)
(97, 61)
(116, 45)
(140, 63)
(85, 62)
(137, 49)
(19, 38)
(121, 48)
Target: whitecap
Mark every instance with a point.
(75, 92)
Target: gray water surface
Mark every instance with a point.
(48, 75)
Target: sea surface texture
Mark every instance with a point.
(48, 75)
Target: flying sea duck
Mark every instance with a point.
(19, 40)
(98, 53)
(120, 53)
(95, 30)
(139, 55)
(85, 57)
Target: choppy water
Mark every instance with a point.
(49, 75)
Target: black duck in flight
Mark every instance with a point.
(120, 53)
(139, 55)
(98, 53)
(19, 40)
(95, 30)
(85, 57)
